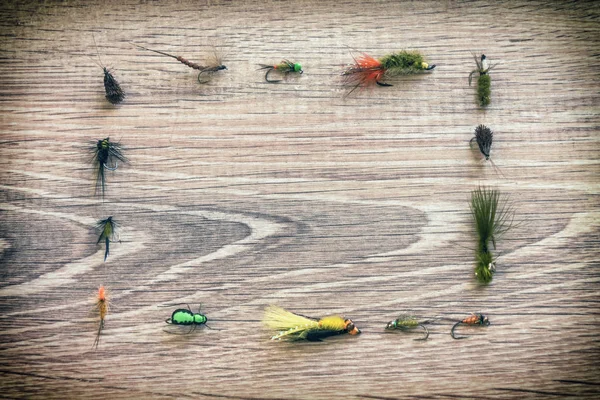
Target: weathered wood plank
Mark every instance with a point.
(241, 194)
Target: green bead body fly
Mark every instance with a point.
(284, 68)
(185, 317)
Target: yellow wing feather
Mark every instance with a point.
(286, 322)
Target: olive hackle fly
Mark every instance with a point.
(114, 93)
(285, 67)
(472, 320)
(101, 306)
(484, 81)
(367, 70)
(106, 156)
(406, 323)
(108, 233)
(292, 327)
(213, 65)
(493, 216)
(186, 317)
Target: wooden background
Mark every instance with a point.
(241, 194)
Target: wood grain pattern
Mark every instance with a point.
(241, 194)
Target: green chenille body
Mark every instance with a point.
(484, 84)
(483, 272)
(186, 317)
(404, 322)
(403, 63)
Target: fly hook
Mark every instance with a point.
(473, 320)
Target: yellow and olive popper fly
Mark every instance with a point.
(367, 70)
(405, 323)
(473, 320)
(212, 65)
(484, 82)
(102, 307)
(493, 216)
(108, 232)
(285, 67)
(107, 155)
(290, 326)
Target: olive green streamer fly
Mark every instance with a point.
(484, 82)
(493, 216)
(108, 233)
(106, 156)
(367, 70)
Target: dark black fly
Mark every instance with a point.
(107, 155)
(114, 93)
(483, 137)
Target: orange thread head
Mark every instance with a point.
(101, 293)
(350, 327)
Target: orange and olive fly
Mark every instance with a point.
(292, 327)
(367, 70)
(102, 307)
(213, 65)
(472, 320)
(284, 68)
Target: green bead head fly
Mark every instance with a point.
(368, 70)
(106, 157)
(185, 317)
(284, 68)
(405, 323)
(484, 81)
(108, 233)
(493, 216)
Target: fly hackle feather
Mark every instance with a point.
(108, 233)
(106, 156)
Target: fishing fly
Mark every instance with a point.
(108, 232)
(102, 307)
(284, 68)
(213, 65)
(484, 82)
(484, 138)
(292, 327)
(185, 317)
(472, 320)
(406, 323)
(493, 216)
(106, 156)
(367, 70)
(114, 93)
